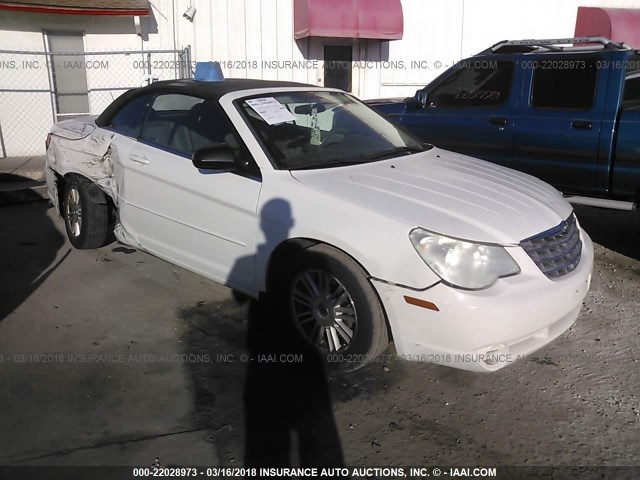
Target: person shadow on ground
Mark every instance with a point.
(287, 405)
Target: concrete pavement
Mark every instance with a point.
(28, 167)
(22, 179)
(114, 357)
(85, 405)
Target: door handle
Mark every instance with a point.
(498, 121)
(581, 125)
(139, 159)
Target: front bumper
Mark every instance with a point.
(488, 329)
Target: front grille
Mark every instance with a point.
(556, 252)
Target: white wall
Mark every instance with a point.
(243, 32)
(512, 20)
(449, 30)
(435, 31)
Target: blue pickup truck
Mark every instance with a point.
(564, 110)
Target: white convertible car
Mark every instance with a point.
(358, 230)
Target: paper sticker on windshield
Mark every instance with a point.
(271, 111)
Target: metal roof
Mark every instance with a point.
(80, 7)
(554, 45)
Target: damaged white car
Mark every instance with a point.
(360, 231)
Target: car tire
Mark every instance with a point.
(344, 297)
(85, 210)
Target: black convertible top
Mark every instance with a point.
(207, 90)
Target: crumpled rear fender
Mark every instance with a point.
(89, 156)
(86, 151)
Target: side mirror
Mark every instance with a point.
(420, 98)
(219, 157)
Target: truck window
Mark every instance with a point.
(475, 84)
(632, 82)
(632, 90)
(565, 83)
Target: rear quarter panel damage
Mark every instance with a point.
(79, 147)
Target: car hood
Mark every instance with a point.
(447, 193)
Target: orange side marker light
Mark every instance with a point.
(421, 303)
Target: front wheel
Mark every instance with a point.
(334, 308)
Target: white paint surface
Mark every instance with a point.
(223, 226)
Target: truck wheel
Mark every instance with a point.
(85, 210)
(333, 307)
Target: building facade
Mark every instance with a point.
(251, 37)
(61, 58)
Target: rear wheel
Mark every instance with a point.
(333, 307)
(85, 210)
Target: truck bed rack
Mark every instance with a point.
(554, 45)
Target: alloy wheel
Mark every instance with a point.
(323, 310)
(73, 213)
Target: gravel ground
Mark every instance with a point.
(576, 402)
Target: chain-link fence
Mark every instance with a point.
(40, 88)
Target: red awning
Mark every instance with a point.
(377, 19)
(618, 24)
(129, 8)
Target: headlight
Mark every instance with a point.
(463, 264)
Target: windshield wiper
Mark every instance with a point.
(333, 163)
(394, 151)
(362, 159)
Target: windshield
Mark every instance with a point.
(302, 130)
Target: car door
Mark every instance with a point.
(558, 124)
(125, 126)
(204, 220)
(470, 110)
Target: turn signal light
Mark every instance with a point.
(421, 303)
